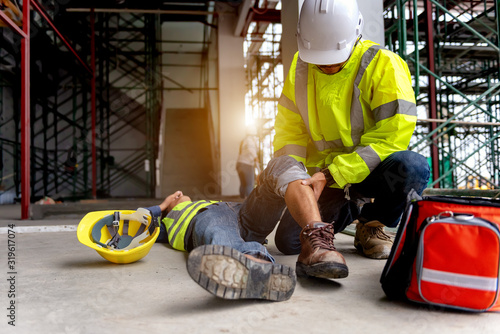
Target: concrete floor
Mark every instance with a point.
(62, 286)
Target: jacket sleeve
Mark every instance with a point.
(291, 134)
(155, 211)
(386, 92)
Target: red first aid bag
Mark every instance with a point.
(447, 253)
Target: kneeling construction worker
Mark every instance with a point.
(345, 118)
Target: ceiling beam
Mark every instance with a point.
(242, 17)
(142, 11)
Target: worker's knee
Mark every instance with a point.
(414, 168)
(411, 162)
(287, 237)
(280, 172)
(287, 247)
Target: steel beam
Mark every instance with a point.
(25, 116)
(39, 8)
(432, 90)
(11, 24)
(142, 11)
(92, 103)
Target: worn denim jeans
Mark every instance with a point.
(218, 225)
(388, 185)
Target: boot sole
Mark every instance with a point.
(372, 255)
(322, 270)
(228, 274)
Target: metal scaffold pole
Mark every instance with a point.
(432, 89)
(25, 117)
(93, 103)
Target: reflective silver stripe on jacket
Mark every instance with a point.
(392, 108)
(291, 149)
(176, 215)
(287, 103)
(357, 121)
(369, 156)
(301, 98)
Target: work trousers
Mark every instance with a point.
(384, 193)
(218, 224)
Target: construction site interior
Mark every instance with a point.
(154, 85)
(121, 102)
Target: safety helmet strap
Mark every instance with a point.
(113, 230)
(136, 240)
(150, 231)
(125, 241)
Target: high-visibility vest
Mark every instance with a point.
(349, 121)
(178, 220)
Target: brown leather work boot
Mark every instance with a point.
(372, 241)
(318, 257)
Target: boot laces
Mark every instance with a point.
(378, 232)
(321, 237)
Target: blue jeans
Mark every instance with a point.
(246, 174)
(388, 184)
(217, 224)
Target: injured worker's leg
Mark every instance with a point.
(318, 256)
(281, 186)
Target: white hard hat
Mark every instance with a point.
(328, 30)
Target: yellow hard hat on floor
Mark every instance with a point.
(123, 236)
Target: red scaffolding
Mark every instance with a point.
(25, 96)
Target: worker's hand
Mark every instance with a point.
(317, 182)
(169, 199)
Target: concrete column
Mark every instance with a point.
(232, 87)
(289, 18)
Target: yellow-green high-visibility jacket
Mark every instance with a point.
(178, 222)
(349, 121)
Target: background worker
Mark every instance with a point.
(220, 260)
(345, 116)
(248, 161)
